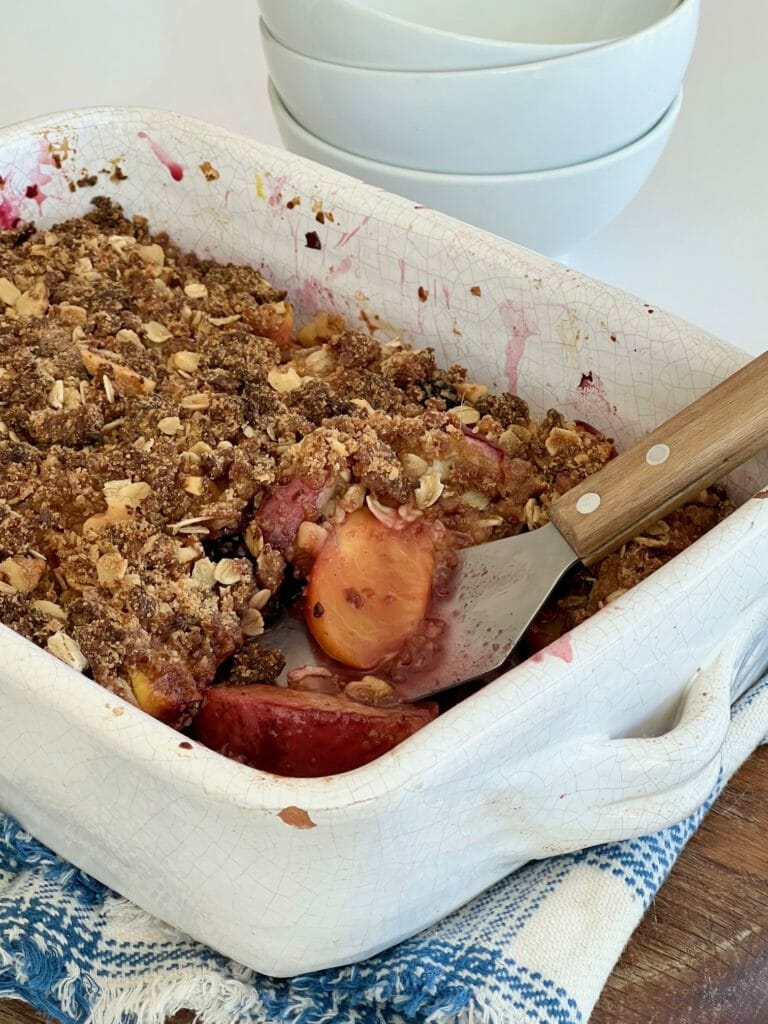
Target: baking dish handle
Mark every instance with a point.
(656, 781)
(682, 764)
(691, 750)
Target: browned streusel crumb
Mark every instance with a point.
(169, 443)
(585, 591)
(254, 664)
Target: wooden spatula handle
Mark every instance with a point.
(697, 446)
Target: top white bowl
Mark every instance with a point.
(532, 117)
(421, 35)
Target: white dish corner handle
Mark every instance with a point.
(658, 780)
(611, 789)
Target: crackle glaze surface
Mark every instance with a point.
(613, 731)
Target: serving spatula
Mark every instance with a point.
(500, 586)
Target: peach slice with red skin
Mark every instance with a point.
(284, 511)
(369, 589)
(300, 734)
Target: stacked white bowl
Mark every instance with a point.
(538, 120)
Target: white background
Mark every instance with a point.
(693, 241)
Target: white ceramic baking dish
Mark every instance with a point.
(613, 731)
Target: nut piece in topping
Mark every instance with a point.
(353, 498)
(476, 499)
(156, 332)
(283, 379)
(126, 492)
(110, 568)
(196, 290)
(252, 622)
(414, 465)
(9, 293)
(260, 599)
(169, 425)
(193, 484)
(152, 254)
(204, 572)
(50, 610)
(197, 402)
(117, 513)
(562, 442)
(56, 395)
(371, 690)
(23, 573)
(465, 414)
(34, 302)
(222, 321)
(184, 360)
(429, 490)
(319, 362)
(254, 540)
(472, 392)
(127, 335)
(72, 314)
(67, 650)
(226, 572)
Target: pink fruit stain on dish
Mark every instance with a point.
(276, 188)
(591, 391)
(343, 267)
(175, 169)
(9, 211)
(347, 235)
(447, 296)
(36, 182)
(519, 330)
(401, 264)
(310, 294)
(12, 196)
(560, 648)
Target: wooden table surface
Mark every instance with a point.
(700, 955)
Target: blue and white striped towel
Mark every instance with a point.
(536, 948)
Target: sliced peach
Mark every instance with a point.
(167, 692)
(488, 449)
(369, 588)
(273, 320)
(285, 509)
(302, 734)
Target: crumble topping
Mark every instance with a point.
(170, 443)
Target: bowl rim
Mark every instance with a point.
(515, 70)
(497, 49)
(665, 122)
(496, 44)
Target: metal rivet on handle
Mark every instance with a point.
(588, 503)
(656, 455)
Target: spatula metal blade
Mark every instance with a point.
(500, 587)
